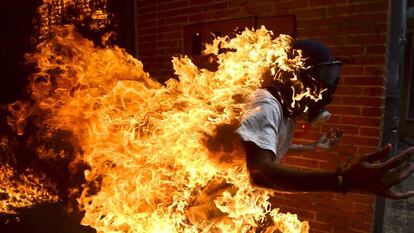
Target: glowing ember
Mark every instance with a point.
(157, 162)
(22, 190)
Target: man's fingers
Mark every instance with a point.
(400, 173)
(394, 195)
(400, 158)
(406, 173)
(376, 156)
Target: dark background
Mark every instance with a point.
(16, 29)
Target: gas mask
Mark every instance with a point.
(325, 70)
(328, 74)
(322, 116)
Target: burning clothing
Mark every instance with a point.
(264, 124)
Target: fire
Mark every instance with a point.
(156, 161)
(23, 190)
(86, 13)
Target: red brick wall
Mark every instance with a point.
(355, 30)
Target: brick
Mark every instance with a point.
(348, 70)
(332, 219)
(374, 70)
(366, 1)
(362, 101)
(346, 229)
(168, 28)
(215, 6)
(146, 24)
(327, 21)
(172, 5)
(364, 80)
(305, 13)
(364, 18)
(173, 20)
(144, 9)
(168, 43)
(290, 5)
(357, 140)
(352, 216)
(323, 227)
(373, 132)
(147, 38)
(353, 9)
(146, 2)
(375, 112)
(362, 226)
(341, 51)
(147, 31)
(337, 100)
(334, 119)
(169, 51)
(339, 204)
(169, 35)
(364, 208)
(375, 49)
(366, 39)
(326, 2)
(197, 2)
(257, 9)
(345, 110)
(356, 198)
(376, 28)
(227, 13)
(327, 166)
(148, 16)
(373, 91)
(361, 121)
(348, 90)
(333, 40)
(346, 30)
(181, 11)
(201, 17)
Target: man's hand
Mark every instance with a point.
(370, 175)
(329, 140)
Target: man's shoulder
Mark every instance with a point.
(261, 96)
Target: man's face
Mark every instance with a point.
(317, 113)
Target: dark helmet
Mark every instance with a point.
(323, 66)
(325, 69)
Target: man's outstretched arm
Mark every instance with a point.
(267, 174)
(365, 176)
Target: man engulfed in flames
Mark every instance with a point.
(161, 158)
(267, 132)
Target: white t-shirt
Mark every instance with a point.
(263, 124)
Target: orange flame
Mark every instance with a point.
(22, 190)
(150, 167)
(92, 14)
